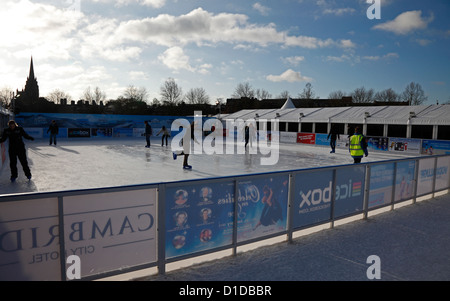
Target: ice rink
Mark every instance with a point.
(85, 163)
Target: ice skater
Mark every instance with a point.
(16, 148)
(358, 146)
(166, 135)
(54, 130)
(186, 142)
(334, 135)
(148, 133)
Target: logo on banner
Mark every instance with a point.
(317, 196)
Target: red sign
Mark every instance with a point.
(306, 138)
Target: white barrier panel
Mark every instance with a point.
(442, 173)
(111, 231)
(29, 243)
(425, 177)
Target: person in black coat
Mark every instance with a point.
(16, 148)
(54, 130)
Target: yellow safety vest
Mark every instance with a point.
(355, 146)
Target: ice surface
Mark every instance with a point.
(94, 163)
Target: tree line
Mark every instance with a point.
(171, 94)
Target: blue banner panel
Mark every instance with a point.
(349, 190)
(312, 198)
(404, 180)
(381, 182)
(262, 206)
(198, 217)
(435, 147)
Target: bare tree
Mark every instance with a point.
(56, 96)
(6, 94)
(284, 95)
(263, 94)
(196, 96)
(386, 95)
(308, 92)
(414, 94)
(136, 94)
(244, 90)
(336, 94)
(96, 96)
(361, 95)
(170, 92)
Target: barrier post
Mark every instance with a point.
(394, 181)
(416, 180)
(434, 177)
(333, 199)
(290, 209)
(161, 229)
(62, 251)
(366, 192)
(235, 216)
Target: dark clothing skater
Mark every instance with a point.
(54, 130)
(148, 133)
(16, 148)
(334, 135)
(186, 142)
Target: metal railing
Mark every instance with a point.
(124, 229)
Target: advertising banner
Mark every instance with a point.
(102, 132)
(381, 183)
(122, 132)
(29, 243)
(199, 217)
(425, 178)
(110, 231)
(404, 183)
(306, 138)
(312, 198)
(262, 206)
(288, 137)
(79, 132)
(405, 145)
(442, 173)
(378, 143)
(435, 147)
(349, 190)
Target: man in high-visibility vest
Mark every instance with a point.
(358, 146)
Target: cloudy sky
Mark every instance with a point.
(276, 45)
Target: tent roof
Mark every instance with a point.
(288, 104)
(416, 115)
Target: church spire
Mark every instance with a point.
(31, 86)
(31, 76)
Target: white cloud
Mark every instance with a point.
(175, 59)
(202, 27)
(263, 10)
(288, 76)
(293, 60)
(338, 11)
(406, 23)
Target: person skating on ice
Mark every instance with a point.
(166, 135)
(186, 142)
(16, 148)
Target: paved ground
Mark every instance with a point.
(412, 243)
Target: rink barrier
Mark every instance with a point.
(130, 228)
